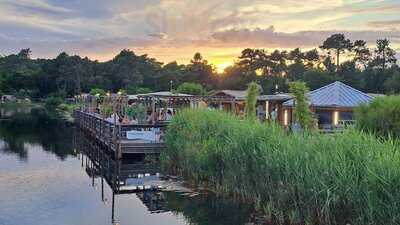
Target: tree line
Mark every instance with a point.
(369, 69)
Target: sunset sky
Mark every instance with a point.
(172, 30)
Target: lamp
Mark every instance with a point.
(285, 118)
(335, 118)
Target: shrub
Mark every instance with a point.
(98, 91)
(302, 111)
(347, 178)
(191, 88)
(137, 111)
(133, 90)
(122, 92)
(51, 103)
(251, 100)
(381, 116)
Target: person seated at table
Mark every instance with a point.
(151, 117)
(148, 116)
(169, 115)
(134, 121)
(113, 117)
(162, 115)
(125, 120)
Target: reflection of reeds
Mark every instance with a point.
(350, 177)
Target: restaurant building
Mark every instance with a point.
(332, 105)
(269, 107)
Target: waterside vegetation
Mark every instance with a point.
(381, 116)
(302, 178)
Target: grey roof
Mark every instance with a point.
(238, 95)
(132, 97)
(164, 94)
(336, 95)
(241, 95)
(276, 97)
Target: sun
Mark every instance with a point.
(220, 67)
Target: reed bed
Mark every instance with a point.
(349, 178)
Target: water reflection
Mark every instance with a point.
(84, 185)
(141, 177)
(136, 174)
(20, 127)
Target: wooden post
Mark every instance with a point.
(233, 106)
(153, 110)
(115, 131)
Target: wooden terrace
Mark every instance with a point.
(113, 135)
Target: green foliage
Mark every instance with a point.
(138, 90)
(68, 75)
(98, 91)
(301, 109)
(338, 43)
(122, 92)
(317, 78)
(381, 116)
(392, 84)
(191, 88)
(22, 94)
(362, 53)
(200, 71)
(106, 110)
(52, 103)
(384, 55)
(137, 111)
(349, 74)
(142, 90)
(252, 94)
(349, 178)
(70, 108)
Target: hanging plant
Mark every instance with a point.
(137, 111)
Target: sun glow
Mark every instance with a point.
(220, 67)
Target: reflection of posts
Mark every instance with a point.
(112, 209)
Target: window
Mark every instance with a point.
(324, 117)
(346, 116)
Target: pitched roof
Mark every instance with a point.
(336, 95)
(275, 97)
(238, 95)
(165, 94)
(241, 95)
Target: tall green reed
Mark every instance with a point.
(312, 178)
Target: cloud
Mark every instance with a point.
(389, 8)
(391, 24)
(36, 4)
(175, 29)
(269, 38)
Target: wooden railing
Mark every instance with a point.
(114, 136)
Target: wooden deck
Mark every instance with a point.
(113, 136)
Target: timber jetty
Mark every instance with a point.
(114, 135)
(129, 125)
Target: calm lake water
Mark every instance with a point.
(48, 178)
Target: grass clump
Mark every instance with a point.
(313, 179)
